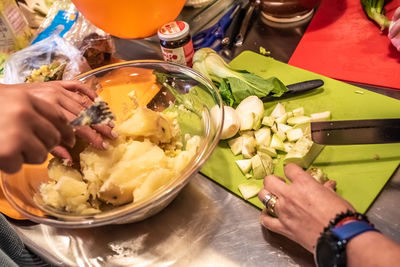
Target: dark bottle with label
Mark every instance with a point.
(176, 43)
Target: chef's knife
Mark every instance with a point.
(354, 132)
(295, 89)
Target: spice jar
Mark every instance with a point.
(176, 43)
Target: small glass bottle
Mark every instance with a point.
(176, 43)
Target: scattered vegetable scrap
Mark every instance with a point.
(264, 51)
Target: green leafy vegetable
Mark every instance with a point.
(374, 9)
(234, 85)
(226, 93)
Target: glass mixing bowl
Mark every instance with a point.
(192, 98)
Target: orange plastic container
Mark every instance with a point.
(130, 18)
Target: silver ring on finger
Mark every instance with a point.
(269, 202)
(266, 199)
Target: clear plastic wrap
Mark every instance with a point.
(95, 45)
(50, 59)
(67, 45)
(14, 31)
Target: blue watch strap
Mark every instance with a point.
(352, 229)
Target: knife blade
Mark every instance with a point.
(356, 132)
(295, 89)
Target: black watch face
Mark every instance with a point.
(327, 253)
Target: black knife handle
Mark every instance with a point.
(304, 86)
(296, 88)
(233, 29)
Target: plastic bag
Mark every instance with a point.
(95, 45)
(50, 59)
(14, 31)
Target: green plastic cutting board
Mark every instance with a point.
(361, 171)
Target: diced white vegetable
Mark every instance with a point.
(247, 133)
(281, 135)
(283, 127)
(250, 112)
(267, 162)
(268, 150)
(263, 136)
(249, 146)
(274, 128)
(298, 120)
(321, 116)
(236, 145)
(303, 152)
(258, 167)
(277, 143)
(278, 111)
(246, 120)
(268, 121)
(318, 175)
(231, 121)
(259, 144)
(257, 124)
(249, 189)
(248, 175)
(305, 127)
(282, 119)
(288, 146)
(244, 165)
(294, 134)
(297, 112)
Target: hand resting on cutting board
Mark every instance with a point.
(304, 209)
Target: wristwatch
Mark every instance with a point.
(331, 245)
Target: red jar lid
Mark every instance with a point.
(173, 31)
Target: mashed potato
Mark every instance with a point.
(147, 154)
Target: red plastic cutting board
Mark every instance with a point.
(342, 43)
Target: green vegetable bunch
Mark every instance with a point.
(375, 10)
(234, 85)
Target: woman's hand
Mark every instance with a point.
(72, 97)
(304, 206)
(30, 127)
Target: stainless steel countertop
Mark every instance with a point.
(205, 225)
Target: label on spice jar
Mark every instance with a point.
(176, 43)
(181, 55)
